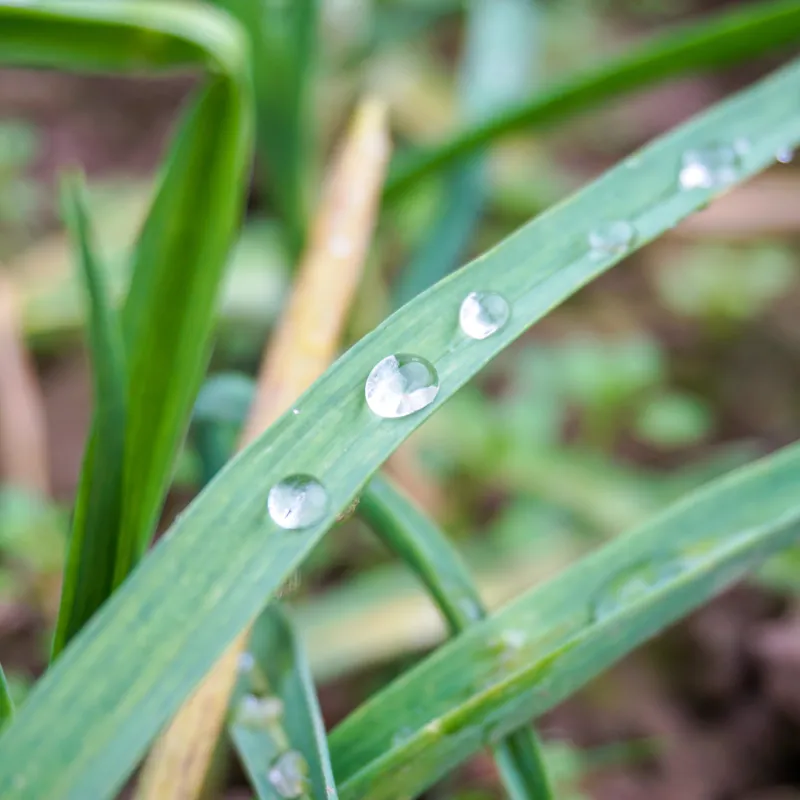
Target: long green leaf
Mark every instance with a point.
(724, 39)
(530, 656)
(6, 703)
(157, 636)
(88, 577)
(279, 660)
(425, 549)
(283, 48)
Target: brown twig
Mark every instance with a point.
(23, 440)
(302, 347)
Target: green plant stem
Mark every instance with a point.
(6, 703)
(724, 39)
(426, 550)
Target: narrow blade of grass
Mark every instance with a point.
(278, 656)
(89, 573)
(302, 347)
(724, 39)
(156, 637)
(168, 315)
(283, 47)
(496, 67)
(426, 550)
(553, 640)
(6, 703)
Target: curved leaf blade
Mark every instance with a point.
(478, 688)
(163, 629)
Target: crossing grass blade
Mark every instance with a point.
(553, 640)
(283, 55)
(719, 41)
(161, 631)
(281, 668)
(88, 577)
(426, 550)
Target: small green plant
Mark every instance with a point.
(137, 631)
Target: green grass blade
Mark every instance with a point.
(6, 703)
(169, 312)
(281, 668)
(553, 640)
(168, 315)
(501, 42)
(724, 39)
(427, 551)
(163, 629)
(283, 51)
(89, 574)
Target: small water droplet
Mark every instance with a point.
(483, 313)
(633, 583)
(709, 167)
(297, 502)
(288, 774)
(258, 712)
(245, 663)
(612, 238)
(401, 384)
(295, 411)
(784, 155)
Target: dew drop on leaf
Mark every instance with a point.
(612, 238)
(709, 167)
(258, 712)
(401, 384)
(297, 502)
(784, 155)
(483, 313)
(634, 583)
(287, 774)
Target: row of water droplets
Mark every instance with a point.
(402, 384)
(257, 710)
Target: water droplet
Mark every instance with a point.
(295, 411)
(709, 167)
(483, 313)
(297, 502)
(784, 155)
(258, 712)
(612, 238)
(245, 663)
(401, 384)
(288, 774)
(633, 583)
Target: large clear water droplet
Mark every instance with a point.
(258, 712)
(297, 502)
(483, 313)
(612, 238)
(401, 384)
(784, 155)
(288, 774)
(634, 583)
(709, 167)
